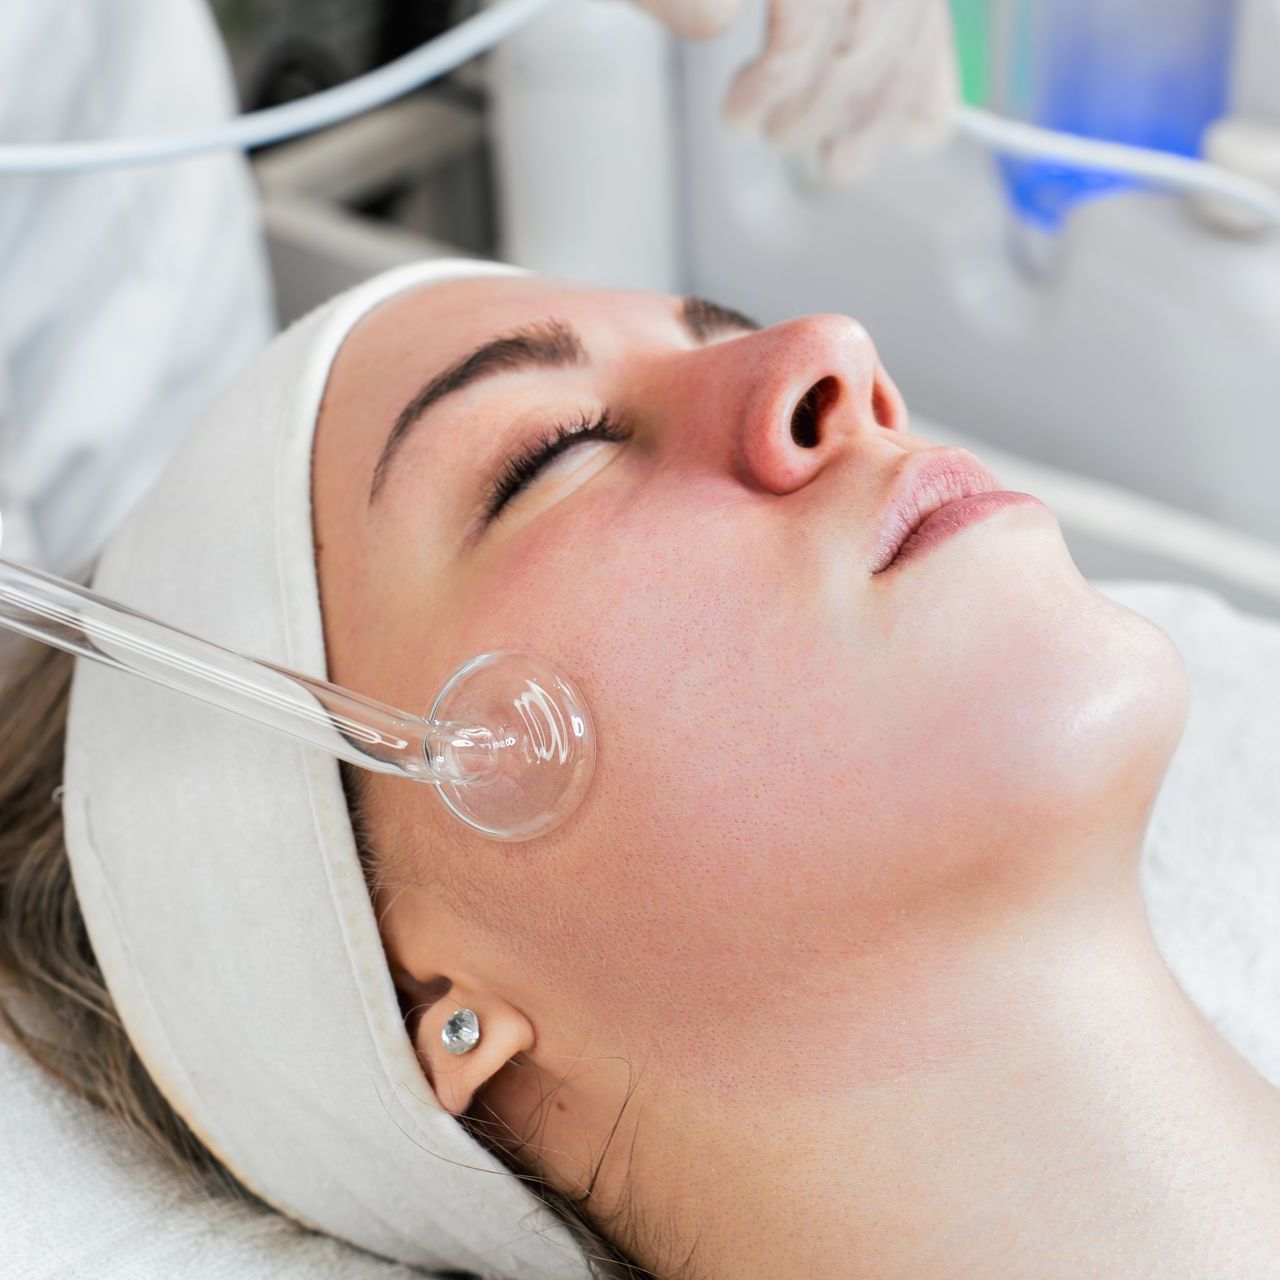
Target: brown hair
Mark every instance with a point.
(68, 1024)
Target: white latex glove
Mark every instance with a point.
(843, 76)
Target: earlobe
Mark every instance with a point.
(456, 1077)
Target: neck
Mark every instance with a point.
(1055, 1107)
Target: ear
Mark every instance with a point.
(504, 1032)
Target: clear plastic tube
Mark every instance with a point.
(290, 120)
(1012, 137)
(514, 763)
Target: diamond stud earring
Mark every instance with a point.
(462, 1032)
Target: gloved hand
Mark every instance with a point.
(844, 76)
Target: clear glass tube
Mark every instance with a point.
(514, 764)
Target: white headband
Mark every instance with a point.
(217, 872)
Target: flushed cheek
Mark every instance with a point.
(714, 876)
(649, 607)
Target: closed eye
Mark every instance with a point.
(519, 471)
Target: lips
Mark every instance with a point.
(929, 480)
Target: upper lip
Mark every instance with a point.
(930, 479)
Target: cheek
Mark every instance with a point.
(723, 783)
(788, 776)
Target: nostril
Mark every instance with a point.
(882, 406)
(813, 404)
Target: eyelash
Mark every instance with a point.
(519, 470)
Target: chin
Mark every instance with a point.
(1009, 563)
(1108, 698)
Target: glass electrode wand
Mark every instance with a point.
(509, 743)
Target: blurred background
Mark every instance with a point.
(1114, 349)
(281, 50)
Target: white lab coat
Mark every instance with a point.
(128, 298)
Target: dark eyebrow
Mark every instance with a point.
(550, 344)
(705, 319)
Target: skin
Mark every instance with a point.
(842, 967)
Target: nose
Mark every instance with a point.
(801, 394)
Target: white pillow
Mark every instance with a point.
(78, 1199)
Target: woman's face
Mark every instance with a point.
(809, 774)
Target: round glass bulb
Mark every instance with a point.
(542, 738)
